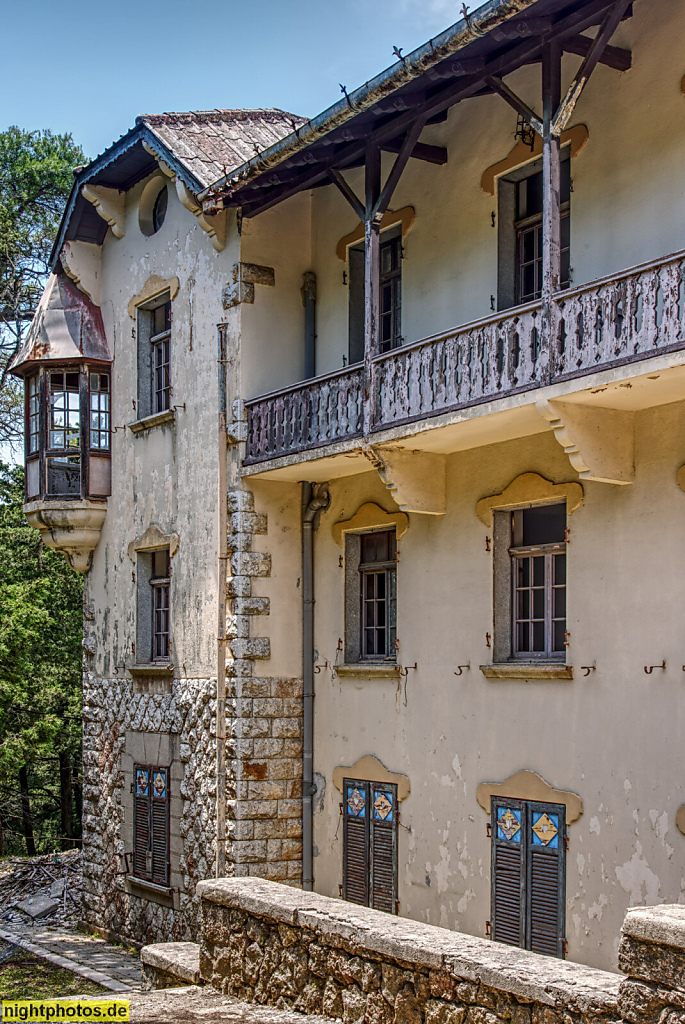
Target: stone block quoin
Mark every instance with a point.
(264, 726)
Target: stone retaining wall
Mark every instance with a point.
(652, 954)
(267, 943)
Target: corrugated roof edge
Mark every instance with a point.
(480, 23)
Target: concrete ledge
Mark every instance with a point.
(156, 420)
(526, 670)
(662, 925)
(371, 933)
(171, 961)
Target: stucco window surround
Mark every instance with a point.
(144, 552)
(528, 491)
(153, 362)
(369, 518)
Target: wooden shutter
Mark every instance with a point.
(356, 841)
(383, 820)
(159, 825)
(141, 820)
(356, 305)
(546, 878)
(508, 876)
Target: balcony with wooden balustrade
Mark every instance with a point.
(614, 333)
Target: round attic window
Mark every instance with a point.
(153, 205)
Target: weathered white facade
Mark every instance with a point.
(572, 397)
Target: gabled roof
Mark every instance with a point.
(208, 142)
(199, 146)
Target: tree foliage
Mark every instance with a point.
(36, 177)
(40, 670)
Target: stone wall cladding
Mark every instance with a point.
(264, 722)
(293, 950)
(652, 954)
(111, 707)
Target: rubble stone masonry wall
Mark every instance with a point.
(111, 709)
(269, 944)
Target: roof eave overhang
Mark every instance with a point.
(233, 189)
(141, 134)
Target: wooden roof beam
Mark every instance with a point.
(614, 56)
(421, 151)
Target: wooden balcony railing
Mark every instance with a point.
(609, 322)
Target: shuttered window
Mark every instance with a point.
(528, 903)
(369, 811)
(151, 823)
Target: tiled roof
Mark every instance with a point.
(212, 143)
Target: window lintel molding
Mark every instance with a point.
(370, 769)
(406, 217)
(154, 286)
(576, 137)
(528, 785)
(153, 540)
(370, 516)
(530, 489)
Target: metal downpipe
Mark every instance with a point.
(315, 498)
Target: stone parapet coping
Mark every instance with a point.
(181, 959)
(526, 975)
(664, 925)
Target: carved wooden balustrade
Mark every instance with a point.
(603, 324)
(306, 415)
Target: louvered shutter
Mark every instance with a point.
(508, 874)
(383, 894)
(159, 797)
(141, 822)
(356, 841)
(546, 878)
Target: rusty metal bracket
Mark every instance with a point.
(649, 669)
(318, 668)
(488, 640)
(460, 669)
(587, 669)
(405, 671)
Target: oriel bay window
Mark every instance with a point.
(67, 432)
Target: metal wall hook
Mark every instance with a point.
(317, 668)
(460, 669)
(650, 669)
(405, 671)
(587, 669)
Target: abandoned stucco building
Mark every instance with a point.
(452, 305)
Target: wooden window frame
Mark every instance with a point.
(160, 587)
(100, 412)
(522, 877)
(151, 826)
(390, 292)
(549, 553)
(160, 356)
(387, 571)
(370, 847)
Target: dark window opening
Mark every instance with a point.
(390, 294)
(370, 819)
(159, 209)
(160, 582)
(538, 559)
(377, 569)
(99, 411)
(528, 875)
(389, 297)
(151, 823)
(528, 226)
(160, 342)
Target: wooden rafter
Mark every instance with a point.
(421, 151)
(607, 29)
(348, 192)
(613, 57)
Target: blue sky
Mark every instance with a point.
(90, 68)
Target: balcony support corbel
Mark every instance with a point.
(416, 480)
(600, 443)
